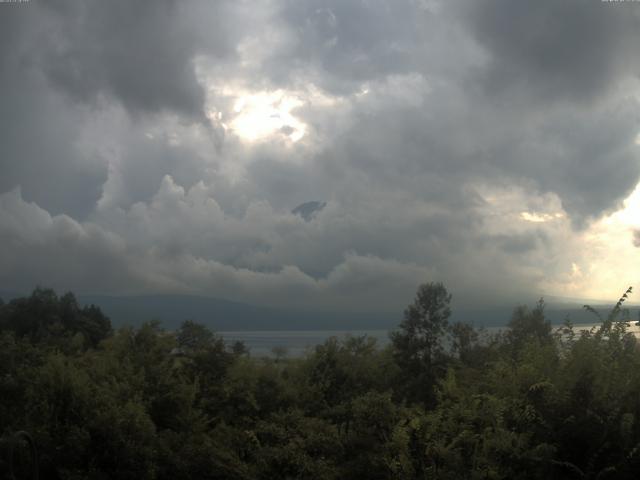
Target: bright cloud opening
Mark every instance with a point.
(540, 217)
(606, 257)
(264, 114)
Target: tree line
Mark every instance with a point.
(442, 401)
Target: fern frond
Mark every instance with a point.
(592, 310)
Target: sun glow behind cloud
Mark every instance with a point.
(606, 259)
(597, 263)
(540, 217)
(260, 115)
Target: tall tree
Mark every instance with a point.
(418, 347)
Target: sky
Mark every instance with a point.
(161, 146)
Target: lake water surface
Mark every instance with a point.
(297, 342)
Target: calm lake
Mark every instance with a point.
(297, 342)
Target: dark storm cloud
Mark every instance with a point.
(64, 62)
(354, 42)
(539, 102)
(450, 141)
(557, 71)
(587, 156)
(138, 52)
(570, 50)
(143, 162)
(38, 131)
(517, 244)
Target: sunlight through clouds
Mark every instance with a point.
(261, 115)
(483, 155)
(606, 261)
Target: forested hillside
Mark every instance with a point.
(441, 401)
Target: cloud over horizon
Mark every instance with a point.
(160, 147)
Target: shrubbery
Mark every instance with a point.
(438, 402)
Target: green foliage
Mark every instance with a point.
(528, 326)
(442, 401)
(418, 345)
(194, 337)
(44, 317)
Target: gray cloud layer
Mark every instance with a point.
(429, 128)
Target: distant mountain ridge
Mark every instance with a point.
(225, 315)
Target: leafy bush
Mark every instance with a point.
(439, 402)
